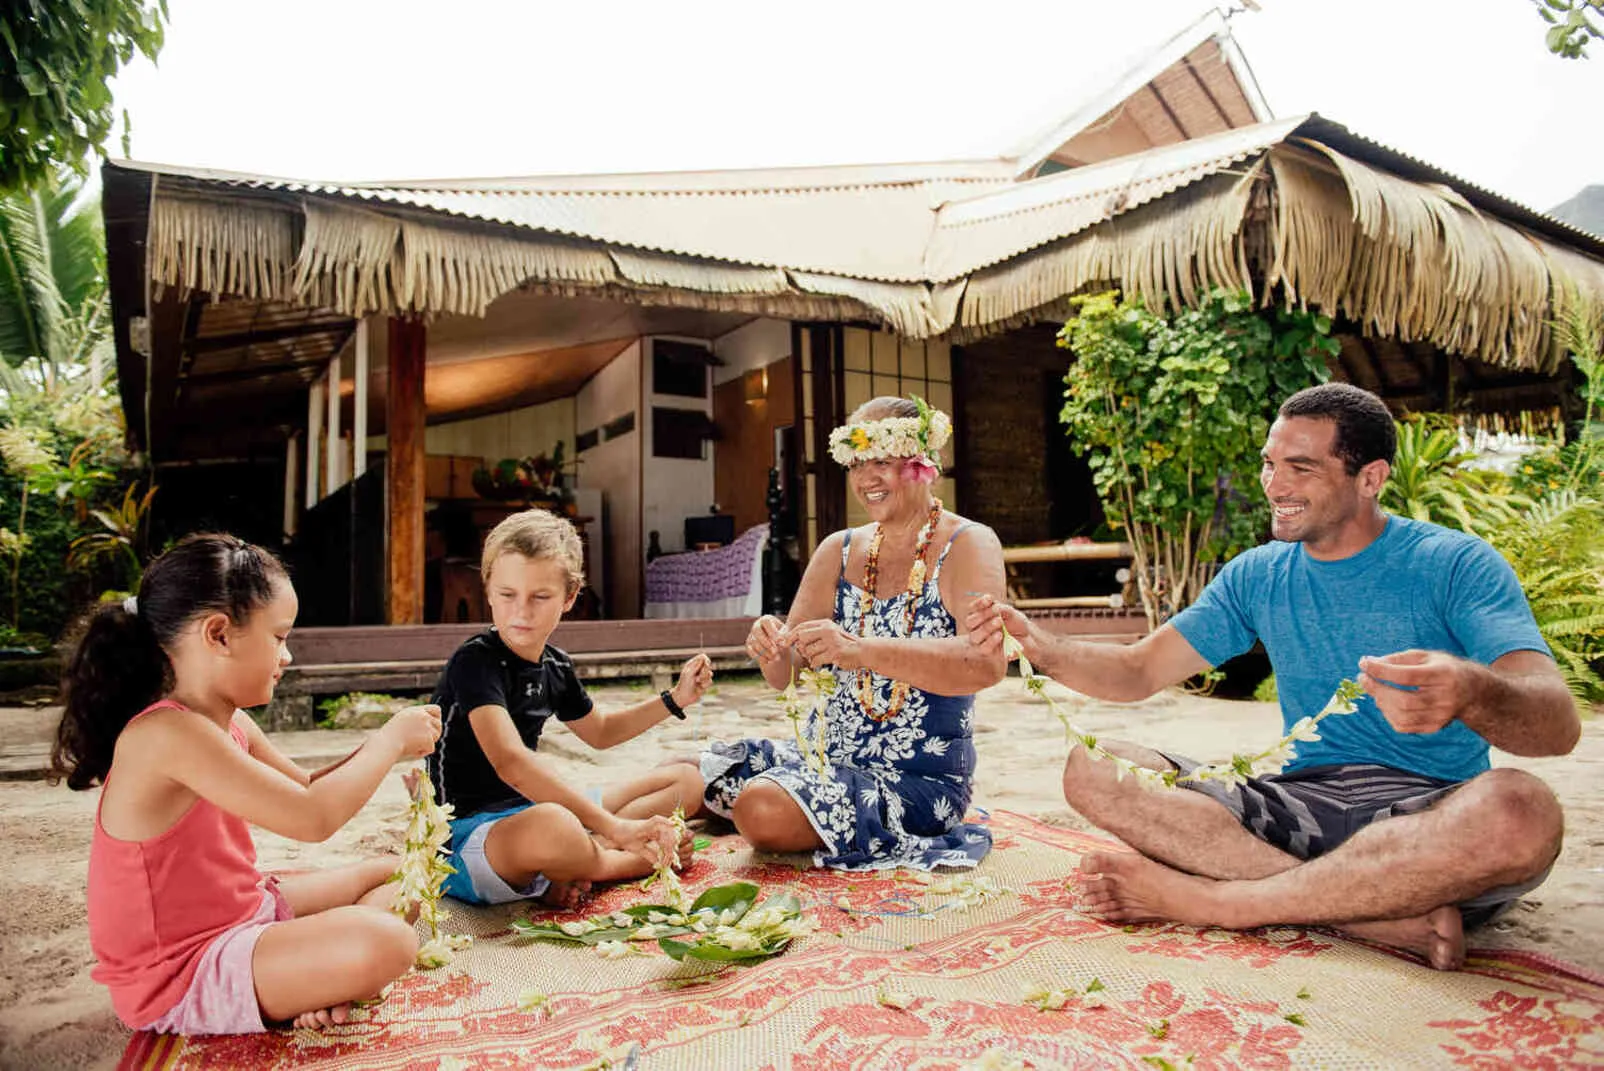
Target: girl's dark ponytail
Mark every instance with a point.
(120, 666)
(117, 670)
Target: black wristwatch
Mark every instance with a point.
(668, 701)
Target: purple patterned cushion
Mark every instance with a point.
(705, 575)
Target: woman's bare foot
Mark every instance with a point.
(1126, 887)
(323, 1017)
(1437, 936)
(564, 895)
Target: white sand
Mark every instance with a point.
(53, 1015)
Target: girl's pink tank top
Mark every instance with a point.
(155, 905)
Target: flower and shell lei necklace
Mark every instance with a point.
(916, 584)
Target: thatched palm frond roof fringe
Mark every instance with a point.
(1284, 216)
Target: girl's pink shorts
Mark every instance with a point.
(222, 997)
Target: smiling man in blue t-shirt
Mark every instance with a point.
(1391, 826)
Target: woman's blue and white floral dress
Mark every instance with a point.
(896, 791)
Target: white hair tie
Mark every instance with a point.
(131, 606)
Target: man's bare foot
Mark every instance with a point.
(564, 895)
(1126, 887)
(1437, 936)
(323, 1017)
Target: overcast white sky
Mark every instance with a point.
(378, 89)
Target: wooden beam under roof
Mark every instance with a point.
(241, 339)
(1214, 102)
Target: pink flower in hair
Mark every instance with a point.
(920, 469)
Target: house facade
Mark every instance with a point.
(325, 365)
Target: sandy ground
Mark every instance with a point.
(52, 1015)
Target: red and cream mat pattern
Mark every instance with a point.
(1131, 996)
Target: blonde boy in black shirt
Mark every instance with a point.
(519, 831)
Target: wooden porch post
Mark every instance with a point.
(404, 425)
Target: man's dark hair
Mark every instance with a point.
(1365, 431)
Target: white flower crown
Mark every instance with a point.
(875, 440)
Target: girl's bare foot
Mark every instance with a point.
(323, 1017)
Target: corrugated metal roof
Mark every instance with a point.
(898, 223)
(817, 224)
(992, 227)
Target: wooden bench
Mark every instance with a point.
(409, 658)
(1066, 551)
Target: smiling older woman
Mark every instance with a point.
(876, 607)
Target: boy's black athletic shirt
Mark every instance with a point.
(485, 672)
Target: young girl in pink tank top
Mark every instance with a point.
(190, 937)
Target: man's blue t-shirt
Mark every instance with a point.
(1418, 586)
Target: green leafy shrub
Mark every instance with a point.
(1171, 412)
(359, 710)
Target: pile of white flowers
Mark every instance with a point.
(424, 870)
(1235, 772)
(966, 890)
(723, 925)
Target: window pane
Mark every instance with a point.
(807, 440)
(913, 360)
(857, 389)
(887, 386)
(807, 396)
(885, 353)
(855, 353)
(807, 350)
(940, 396)
(939, 361)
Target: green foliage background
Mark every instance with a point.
(55, 105)
(1171, 413)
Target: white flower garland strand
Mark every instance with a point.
(666, 872)
(423, 871)
(1235, 772)
(821, 683)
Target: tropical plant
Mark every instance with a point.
(1569, 25)
(1556, 547)
(55, 321)
(1429, 480)
(55, 105)
(55, 356)
(29, 460)
(121, 535)
(1172, 412)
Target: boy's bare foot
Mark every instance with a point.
(564, 895)
(686, 849)
(323, 1017)
(1437, 936)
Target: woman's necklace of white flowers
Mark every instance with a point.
(798, 707)
(423, 871)
(1235, 772)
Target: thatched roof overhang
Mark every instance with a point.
(1296, 210)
